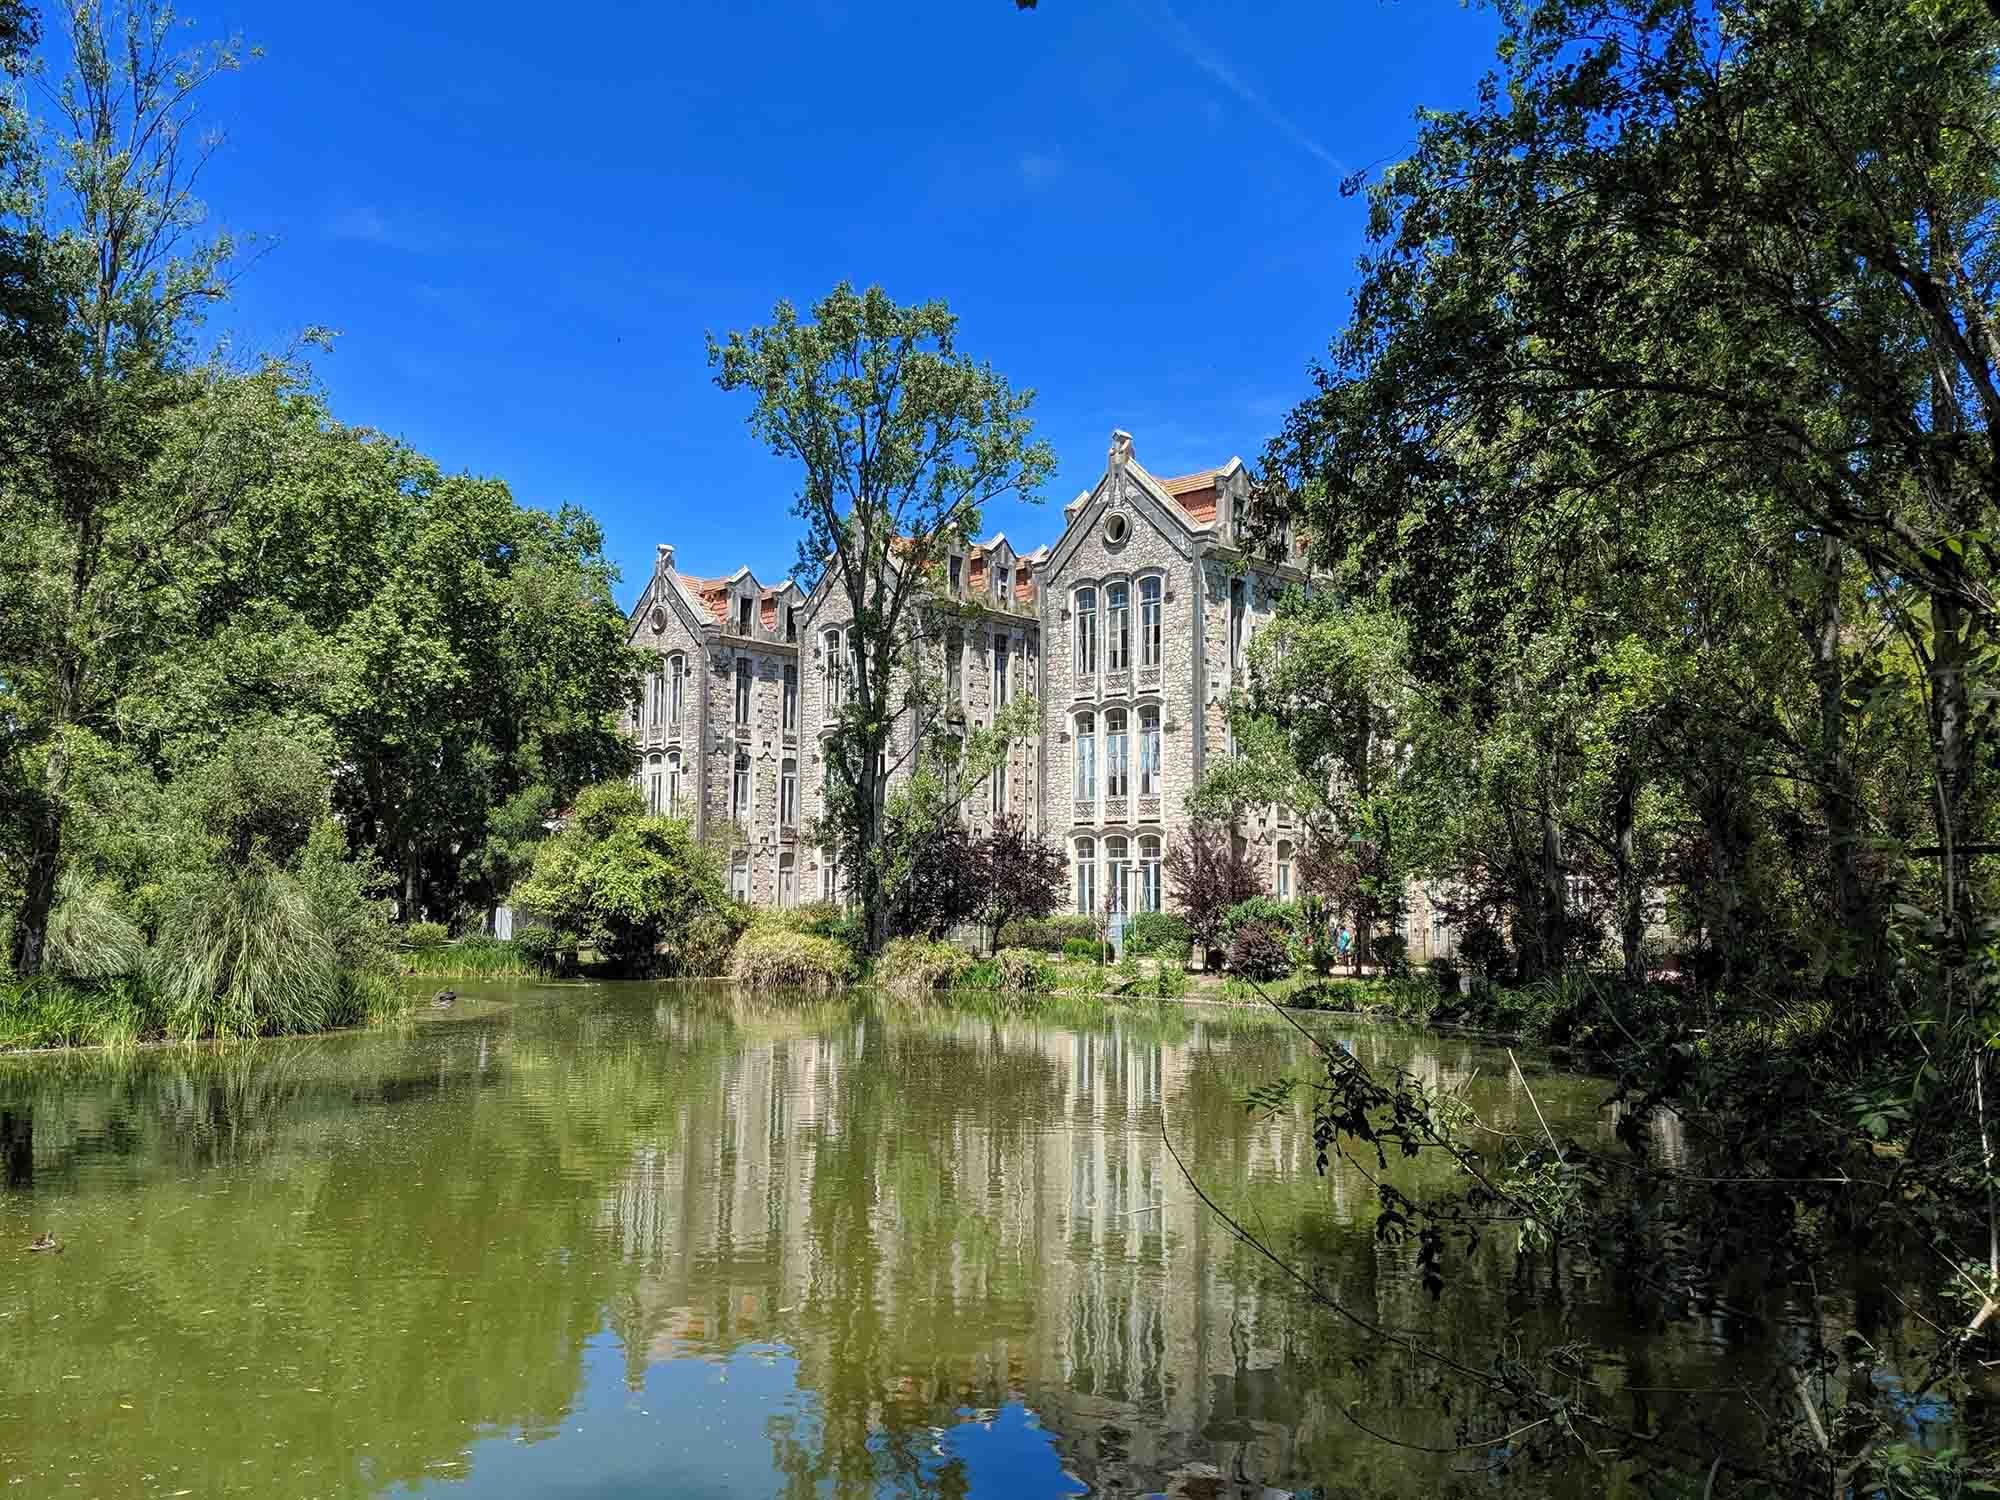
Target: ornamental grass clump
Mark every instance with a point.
(769, 958)
(1024, 971)
(913, 967)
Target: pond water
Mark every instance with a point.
(635, 1240)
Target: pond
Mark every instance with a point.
(625, 1240)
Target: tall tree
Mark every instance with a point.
(902, 441)
(120, 485)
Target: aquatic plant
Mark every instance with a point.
(773, 959)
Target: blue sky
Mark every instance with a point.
(522, 220)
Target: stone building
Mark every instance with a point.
(1132, 627)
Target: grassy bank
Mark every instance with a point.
(474, 958)
(54, 1012)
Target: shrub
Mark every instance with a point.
(540, 947)
(1280, 917)
(1157, 932)
(1170, 982)
(243, 953)
(1391, 952)
(88, 936)
(702, 949)
(1025, 971)
(1084, 948)
(769, 958)
(1256, 952)
(1048, 934)
(1443, 973)
(425, 935)
(915, 966)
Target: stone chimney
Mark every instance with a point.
(1121, 449)
(663, 560)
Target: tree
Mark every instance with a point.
(944, 883)
(1023, 877)
(1208, 871)
(118, 487)
(901, 441)
(633, 887)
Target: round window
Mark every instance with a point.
(1114, 528)
(659, 618)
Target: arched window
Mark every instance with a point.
(743, 690)
(791, 710)
(788, 795)
(1149, 622)
(673, 783)
(1086, 632)
(655, 695)
(787, 880)
(1086, 876)
(653, 785)
(1118, 627)
(1149, 752)
(1149, 874)
(1116, 781)
(739, 791)
(676, 691)
(1117, 875)
(1086, 757)
(832, 681)
(1284, 870)
(1239, 607)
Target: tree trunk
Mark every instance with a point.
(1631, 897)
(46, 825)
(1555, 893)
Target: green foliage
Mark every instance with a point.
(1281, 917)
(913, 967)
(771, 958)
(1047, 934)
(1024, 971)
(637, 889)
(90, 937)
(1157, 932)
(1089, 950)
(480, 957)
(424, 934)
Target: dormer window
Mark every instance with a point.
(743, 616)
(1003, 581)
(791, 622)
(957, 569)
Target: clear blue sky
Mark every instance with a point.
(523, 218)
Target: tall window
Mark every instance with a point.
(653, 787)
(954, 667)
(1086, 632)
(1149, 752)
(655, 695)
(1284, 871)
(1003, 582)
(1117, 869)
(743, 607)
(743, 690)
(787, 880)
(1086, 757)
(999, 793)
(1116, 783)
(673, 783)
(676, 688)
(1118, 627)
(957, 568)
(739, 878)
(791, 700)
(833, 682)
(1149, 622)
(999, 671)
(829, 879)
(788, 795)
(739, 791)
(1238, 606)
(791, 622)
(1149, 874)
(1086, 876)
(1034, 656)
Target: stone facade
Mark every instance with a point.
(1133, 629)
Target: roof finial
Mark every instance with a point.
(1121, 448)
(663, 560)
